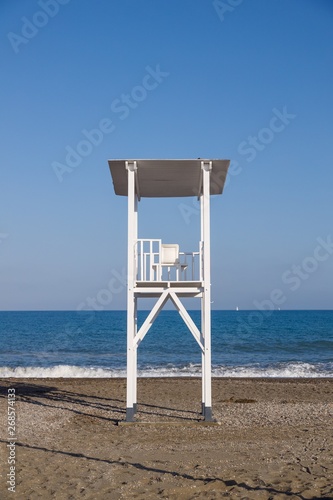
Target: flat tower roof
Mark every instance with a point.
(168, 178)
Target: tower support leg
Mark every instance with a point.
(131, 167)
(206, 167)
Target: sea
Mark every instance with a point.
(93, 344)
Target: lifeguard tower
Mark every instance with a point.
(158, 269)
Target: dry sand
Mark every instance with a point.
(274, 440)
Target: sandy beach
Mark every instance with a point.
(273, 439)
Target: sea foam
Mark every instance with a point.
(283, 370)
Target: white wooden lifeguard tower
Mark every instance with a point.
(158, 269)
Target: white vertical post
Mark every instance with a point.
(201, 265)
(206, 316)
(135, 355)
(159, 260)
(136, 257)
(142, 266)
(131, 300)
(151, 261)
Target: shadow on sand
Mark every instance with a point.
(139, 466)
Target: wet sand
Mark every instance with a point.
(273, 439)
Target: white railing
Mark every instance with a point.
(149, 265)
(147, 257)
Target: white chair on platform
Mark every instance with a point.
(169, 258)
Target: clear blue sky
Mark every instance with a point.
(251, 82)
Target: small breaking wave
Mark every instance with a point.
(59, 371)
(278, 370)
